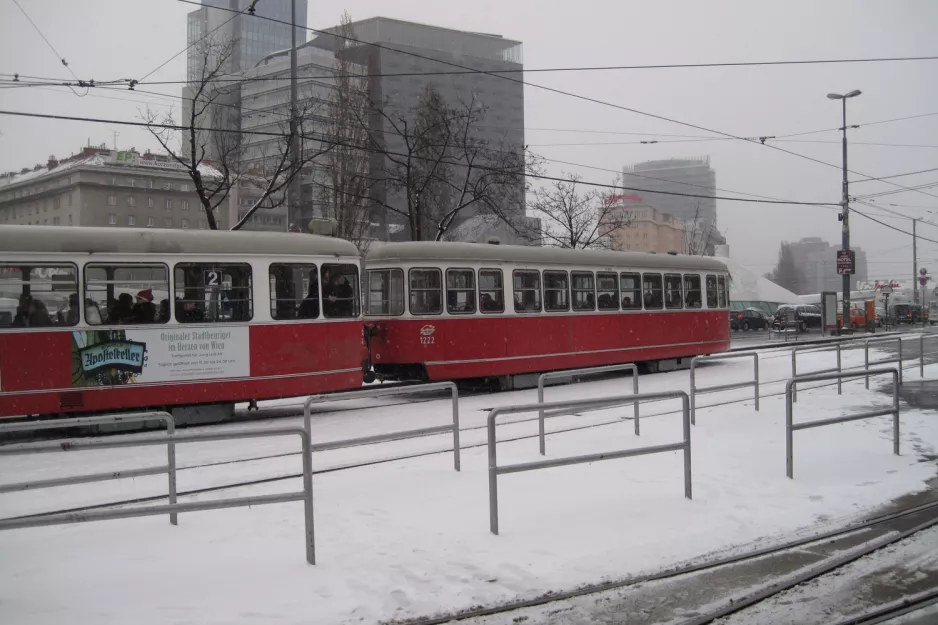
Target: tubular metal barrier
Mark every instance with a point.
(921, 351)
(306, 495)
(790, 427)
(694, 389)
(806, 348)
(382, 438)
(580, 372)
(866, 355)
(495, 470)
(129, 417)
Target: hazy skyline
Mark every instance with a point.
(111, 39)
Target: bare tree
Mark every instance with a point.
(576, 217)
(439, 166)
(786, 273)
(209, 144)
(345, 193)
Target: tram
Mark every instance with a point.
(100, 319)
(454, 311)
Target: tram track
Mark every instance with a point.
(396, 458)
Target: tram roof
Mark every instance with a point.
(89, 240)
(429, 251)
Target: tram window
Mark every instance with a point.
(651, 291)
(721, 292)
(460, 291)
(692, 291)
(673, 292)
(386, 292)
(584, 291)
(38, 295)
(711, 291)
(556, 291)
(606, 284)
(527, 291)
(630, 285)
(491, 291)
(340, 290)
(126, 294)
(213, 292)
(426, 292)
(294, 291)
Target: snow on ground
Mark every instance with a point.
(410, 537)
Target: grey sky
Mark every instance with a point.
(108, 39)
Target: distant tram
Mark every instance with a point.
(100, 319)
(450, 311)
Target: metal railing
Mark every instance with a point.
(306, 495)
(383, 438)
(694, 389)
(921, 351)
(866, 355)
(810, 349)
(131, 417)
(790, 426)
(495, 470)
(581, 372)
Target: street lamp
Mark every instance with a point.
(845, 213)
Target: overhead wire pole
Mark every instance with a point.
(293, 191)
(845, 214)
(915, 263)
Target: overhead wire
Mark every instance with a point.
(51, 47)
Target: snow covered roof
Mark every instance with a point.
(746, 286)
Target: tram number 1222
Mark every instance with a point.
(426, 334)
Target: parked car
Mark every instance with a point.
(805, 316)
(749, 319)
(857, 317)
(907, 313)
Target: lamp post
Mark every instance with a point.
(845, 213)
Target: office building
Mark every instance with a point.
(816, 266)
(102, 187)
(677, 175)
(648, 230)
(401, 68)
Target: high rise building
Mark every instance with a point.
(677, 175)
(395, 67)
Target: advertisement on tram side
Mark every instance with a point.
(118, 357)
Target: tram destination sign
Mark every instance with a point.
(845, 262)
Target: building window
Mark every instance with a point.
(185, 223)
(132, 182)
(185, 186)
(185, 205)
(201, 224)
(149, 184)
(112, 200)
(168, 223)
(111, 219)
(131, 220)
(55, 221)
(70, 220)
(69, 200)
(150, 222)
(169, 204)
(131, 201)
(149, 202)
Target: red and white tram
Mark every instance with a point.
(447, 311)
(97, 319)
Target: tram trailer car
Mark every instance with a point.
(457, 311)
(106, 319)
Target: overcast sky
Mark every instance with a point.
(109, 39)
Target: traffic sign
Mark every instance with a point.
(845, 262)
(923, 280)
(923, 271)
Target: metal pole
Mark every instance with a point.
(794, 371)
(693, 393)
(846, 219)
(688, 493)
(635, 392)
(493, 475)
(899, 338)
(540, 413)
(895, 414)
(915, 264)
(456, 450)
(921, 355)
(294, 191)
(308, 499)
(755, 363)
(866, 362)
(171, 468)
(839, 370)
(789, 461)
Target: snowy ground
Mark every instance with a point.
(410, 537)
